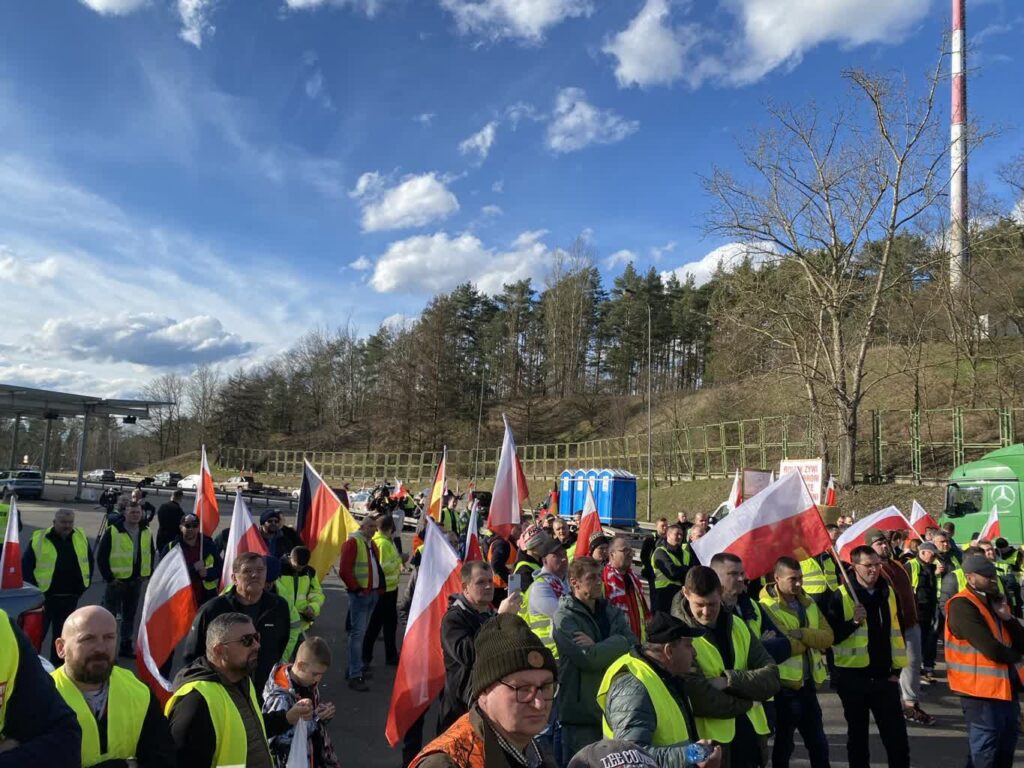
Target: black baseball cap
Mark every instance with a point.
(666, 628)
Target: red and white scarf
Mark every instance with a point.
(629, 598)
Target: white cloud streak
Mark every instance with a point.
(480, 143)
(577, 124)
(413, 202)
(524, 20)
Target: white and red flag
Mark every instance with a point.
(399, 492)
(473, 550)
(167, 614)
(830, 492)
(420, 676)
(920, 520)
(510, 489)
(243, 536)
(590, 522)
(888, 519)
(205, 507)
(736, 493)
(990, 530)
(10, 556)
(780, 520)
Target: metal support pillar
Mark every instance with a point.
(14, 443)
(81, 455)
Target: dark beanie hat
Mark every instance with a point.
(506, 645)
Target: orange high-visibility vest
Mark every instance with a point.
(510, 562)
(460, 743)
(968, 670)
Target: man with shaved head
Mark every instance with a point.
(121, 719)
(59, 561)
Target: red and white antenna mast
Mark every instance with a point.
(958, 258)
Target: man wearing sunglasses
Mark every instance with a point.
(201, 557)
(214, 713)
(514, 682)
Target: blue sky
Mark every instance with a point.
(194, 180)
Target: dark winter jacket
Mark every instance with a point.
(459, 628)
(67, 575)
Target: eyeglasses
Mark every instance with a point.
(246, 640)
(190, 526)
(869, 566)
(527, 693)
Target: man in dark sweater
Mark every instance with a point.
(984, 644)
(924, 582)
(168, 518)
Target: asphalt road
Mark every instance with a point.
(358, 728)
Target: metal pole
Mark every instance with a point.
(14, 442)
(959, 260)
(479, 422)
(650, 373)
(44, 463)
(81, 454)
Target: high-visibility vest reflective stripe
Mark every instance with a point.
(361, 568)
(723, 730)
(212, 583)
(540, 623)
(127, 704)
(390, 561)
(9, 657)
(968, 671)
(660, 579)
(46, 556)
(792, 669)
(852, 653)
(671, 725)
(231, 740)
(815, 582)
(122, 554)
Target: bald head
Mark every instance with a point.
(88, 645)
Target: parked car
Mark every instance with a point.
(167, 479)
(102, 476)
(23, 483)
(25, 606)
(242, 483)
(190, 483)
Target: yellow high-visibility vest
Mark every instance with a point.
(122, 554)
(671, 724)
(9, 658)
(792, 669)
(852, 653)
(46, 556)
(229, 729)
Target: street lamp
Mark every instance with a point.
(650, 370)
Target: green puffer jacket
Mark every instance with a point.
(582, 667)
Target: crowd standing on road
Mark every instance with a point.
(551, 659)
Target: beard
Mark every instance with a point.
(93, 670)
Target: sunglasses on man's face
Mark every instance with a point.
(246, 640)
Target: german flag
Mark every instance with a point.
(324, 523)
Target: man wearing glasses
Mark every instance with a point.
(514, 682)
(214, 713)
(869, 653)
(201, 558)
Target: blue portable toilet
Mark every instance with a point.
(565, 492)
(579, 492)
(616, 498)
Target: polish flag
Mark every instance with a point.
(736, 494)
(439, 488)
(780, 520)
(205, 507)
(243, 536)
(920, 520)
(167, 614)
(10, 556)
(830, 492)
(473, 550)
(590, 522)
(989, 532)
(420, 676)
(888, 519)
(399, 492)
(509, 488)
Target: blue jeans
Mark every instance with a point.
(799, 710)
(991, 731)
(360, 607)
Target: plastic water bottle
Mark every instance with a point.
(697, 753)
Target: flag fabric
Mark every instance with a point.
(736, 494)
(324, 523)
(553, 502)
(167, 614)
(920, 520)
(507, 497)
(780, 520)
(473, 550)
(590, 522)
(439, 488)
(399, 492)
(991, 529)
(521, 487)
(243, 536)
(888, 519)
(830, 492)
(205, 507)
(420, 676)
(10, 556)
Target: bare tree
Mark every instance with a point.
(164, 423)
(201, 392)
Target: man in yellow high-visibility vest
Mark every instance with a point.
(120, 717)
(125, 559)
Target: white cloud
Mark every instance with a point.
(361, 264)
(425, 118)
(195, 20)
(399, 322)
(114, 7)
(498, 187)
(726, 256)
(414, 202)
(649, 51)
(577, 124)
(492, 210)
(527, 20)
(142, 339)
(65, 379)
(15, 270)
(619, 259)
(522, 110)
(368, 7)
(480, 143)
(658, 251)
(315, 85)
(438, 262)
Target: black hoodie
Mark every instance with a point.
(192, 729)
(459, 628)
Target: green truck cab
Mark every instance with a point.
(978, 487)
